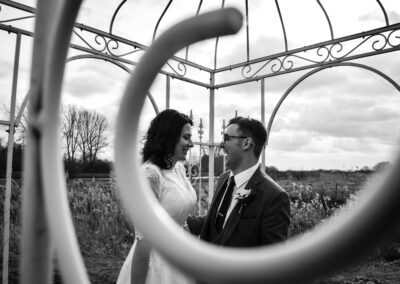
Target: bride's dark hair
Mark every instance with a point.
(162, 136)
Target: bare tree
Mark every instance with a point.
(93, 138)
(70, 129)
(85, 134)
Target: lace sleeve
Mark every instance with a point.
(153, 178)
(181, 169)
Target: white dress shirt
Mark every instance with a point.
(241, 180)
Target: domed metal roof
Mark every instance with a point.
(277, 37)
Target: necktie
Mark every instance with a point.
(226, 202)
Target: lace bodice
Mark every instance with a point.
(172, 189)
(177, 196)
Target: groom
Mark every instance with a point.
(248, 207)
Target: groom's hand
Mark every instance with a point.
(195, 224)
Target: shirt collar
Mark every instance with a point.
(243, 177)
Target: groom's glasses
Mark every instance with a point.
(227, 137)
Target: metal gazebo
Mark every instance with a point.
(89, 42)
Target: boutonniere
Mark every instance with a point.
(242, 194)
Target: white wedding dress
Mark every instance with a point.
(178, 198)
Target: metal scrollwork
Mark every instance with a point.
(276, 66)
(326, 54)
(181, 69)
(335, 50)
(380, 42)
(112, 44)
(323, 52)
(100, 42)
(109, 46)
(106, 45)
(304, 59)
(96, 40)
(376, 39)
(287, 62)
(392, 37)
(246, 69)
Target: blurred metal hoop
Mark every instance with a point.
(47, 224)
(332, 246)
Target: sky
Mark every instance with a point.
(341, 118)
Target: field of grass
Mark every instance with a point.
(97, 213)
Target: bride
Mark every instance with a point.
(168, 141)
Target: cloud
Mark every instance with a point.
(341, 117)
(87, 84)
(386, 63)
(87, 79)
(363, 145)
(374, 16)
(6, 68)
(394, 17)
(289, 141)
(378, 16)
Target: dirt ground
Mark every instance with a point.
(375, 272)
(105, 271)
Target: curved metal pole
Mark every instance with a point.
(43, 166)
(327, 18)
(217, 42)
(263, 119)
(115, 14)
(247, 30)
(302, 78)
(282, 24)
(330, 247)
(118, 64)
(36, 243)
(384, 12)
(197, 13)
(159, 19)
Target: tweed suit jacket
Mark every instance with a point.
(262, 218)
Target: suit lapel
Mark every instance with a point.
(210, 219)
(219, 190)
(236, 213)
(231, 223)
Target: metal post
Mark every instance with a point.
(223, 155)
(263, 119)
(168, 91)
(200, 131)
(211, 140)
(190, 154)
(10, 147)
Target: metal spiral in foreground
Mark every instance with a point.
(330, 247)
(47, 221)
